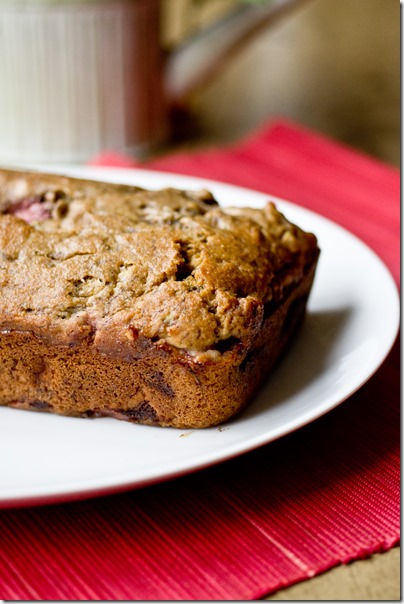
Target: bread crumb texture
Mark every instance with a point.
(84, 260)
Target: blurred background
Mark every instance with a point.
(332, 65)
(82, 76)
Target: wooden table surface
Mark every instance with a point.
(336, 69)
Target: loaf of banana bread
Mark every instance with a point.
(157, 307)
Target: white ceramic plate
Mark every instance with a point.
(352, 321)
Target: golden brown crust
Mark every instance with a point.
(163, 283)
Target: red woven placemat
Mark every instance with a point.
(326, 494)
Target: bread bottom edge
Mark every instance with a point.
(167, 390)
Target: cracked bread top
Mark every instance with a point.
(82, 259)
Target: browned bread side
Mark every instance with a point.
(157, 307)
